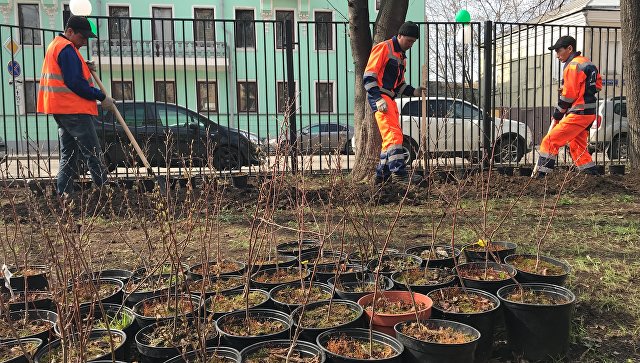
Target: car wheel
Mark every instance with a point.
(619, 148)
(410, 150)
(509, 149)
(227, 158)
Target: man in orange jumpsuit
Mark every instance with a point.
(384, 80)
(575, 112)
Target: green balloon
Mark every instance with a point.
(463, 16)
(94, 28)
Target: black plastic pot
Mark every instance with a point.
(419, 351)
(134, 297)
(310, 334)
(148, 320)
(297, 248)
(360, 334)
(34, 282)
(538, 332)
(13, 343)
(342, 289)
(529, 277)
(45, 315)
(525, 171)
(198, 275)
(119, 350)
(278, 261)
(289, 306)
(216, 314)
(159, 354)
(40, 303)
(240, 181)
(411, 261)
(484, 321)
(325, 272)
(239, 342)
(114, 298)
(109, 310)
(357, 258)
(490, 286)
(230, 354)
(270, 285)
(617, 169)
(310, 258)
(450, 280)
(210, 292)
(305, 349)
(506, 170)
(118, 274)
(436, 262)
(478, 254)
(181, 182)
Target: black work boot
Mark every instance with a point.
(406, 179)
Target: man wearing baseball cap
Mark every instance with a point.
(384, 81)
(67, 92)
(575, 111)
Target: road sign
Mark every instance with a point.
(14, 68)
(12, 46)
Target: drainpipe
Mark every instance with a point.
(229, 70)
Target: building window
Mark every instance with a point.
(162, 29)
(324, 97)
(119, 28)
(122, 90)
(207, 97)
(281, 17)
(203, 26)
(31, 96)
(283, 96)
(324, 31)
(29, 15)
(165, 91)
(245, 29)
(66, 14)
(247, 97)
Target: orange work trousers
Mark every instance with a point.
(572, 130)
(389, 124)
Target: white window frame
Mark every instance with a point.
(295, 24)
(255, 35)
(297, 105)
(193, 15)
(164, 6)
(18, 38)
(133, 87)
(175, 86)
(333, 96)
(118, 5)
(333, 45)
(215, 81)
(253, 80)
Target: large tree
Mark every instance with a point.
(630, 18)
(390, 16)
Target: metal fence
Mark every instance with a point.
(228, 94)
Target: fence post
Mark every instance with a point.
(488, 93)
(291, 95)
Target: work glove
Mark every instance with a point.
(107, 103)
(381, 104)
(418, 91)
(91, 65)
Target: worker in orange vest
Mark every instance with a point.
(575, 111)
(384, 80)
(67, 92)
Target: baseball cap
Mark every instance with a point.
(409, 29)
(81, 25)
(563, 42)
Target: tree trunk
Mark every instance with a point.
(390, 17)
(630, 18)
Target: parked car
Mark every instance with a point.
(611, 135)
(3, 149)
(192, 137)
(454, 129)
(324, 137)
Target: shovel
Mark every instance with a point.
(159, 179)
(534, 173)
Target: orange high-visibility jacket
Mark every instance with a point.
(580, 83)
(54, 97)
(385, 72)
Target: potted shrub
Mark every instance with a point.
(140, 288)
(353, 345)
(423, 280)
(473, 307)
(163, 307)
(216, 268)
(494, 251)
(209, 355)
(486, 276)
(14, 351)
(213, 285)
(114, 273)
(363, 256)
(320, 316)
(91, 291)
(113, 316)
(287, 297)
(394, 263)
(27, 324)
(235, 300)
(356, 286)
(436, 255)
(538, 319)
(324, 258)
(243, 328)
(169, 338)
(437, 341)
(31, 277)
(543, 269)
(324, 272)
(392, 307)
(97, 345)
(267, 262)
(277, 351)
(297, 248)
(21, 300)
(270, 278)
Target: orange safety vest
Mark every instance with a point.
(580, 83)
(54, 97)
(385, 70)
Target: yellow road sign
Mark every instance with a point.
(12, 46)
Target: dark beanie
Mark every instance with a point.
(409, 29)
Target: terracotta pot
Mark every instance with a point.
(385, 322)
